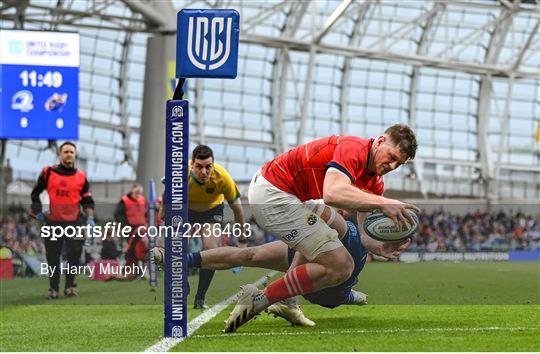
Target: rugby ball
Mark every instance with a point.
(380, 227)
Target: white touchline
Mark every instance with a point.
(375, 331)
(167, 343)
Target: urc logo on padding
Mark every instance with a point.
(203, 52)
(207, 43)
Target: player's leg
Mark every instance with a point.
(53, 249)
(283, 215)
(289, 309)
(271, 255)
(74, 249)
(299, 226)
(299, 280)
(327, 269)
(205, 275)
(336, 296)
(268, 256)
(330, 216)
(207, 219)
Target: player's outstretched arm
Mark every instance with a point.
(340, 193)
(238, 212)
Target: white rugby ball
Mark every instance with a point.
(380, 227)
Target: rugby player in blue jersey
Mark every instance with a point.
(278, 256)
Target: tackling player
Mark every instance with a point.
(345, 171)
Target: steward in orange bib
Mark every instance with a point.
(68, 190)
(131, 210)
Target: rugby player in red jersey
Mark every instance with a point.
(345, 171)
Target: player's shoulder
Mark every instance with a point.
(353, 146)
(221, 175)
(352, 139)
(220, 171)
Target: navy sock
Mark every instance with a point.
(205, 278)
(194, 260)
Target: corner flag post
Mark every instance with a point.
(151, 223)
(216, 32)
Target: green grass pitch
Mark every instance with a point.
(446, 306)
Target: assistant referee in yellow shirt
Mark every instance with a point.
(209, 185)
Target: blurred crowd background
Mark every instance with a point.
(439, 231)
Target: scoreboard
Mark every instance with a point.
(39, 85)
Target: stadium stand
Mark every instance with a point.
(439, 231)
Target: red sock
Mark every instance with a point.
(295, 282)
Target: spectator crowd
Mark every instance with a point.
(439, 231)
(20, 238)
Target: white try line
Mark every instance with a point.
(375, 331)
(167, 343)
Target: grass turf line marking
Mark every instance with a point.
(375, 331)
(167, 343)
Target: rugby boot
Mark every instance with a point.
(52, 294)
(359, 297)
(70, 292)
(244, 310)
(200, 304)
(290, 310)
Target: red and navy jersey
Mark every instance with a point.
(300, 171)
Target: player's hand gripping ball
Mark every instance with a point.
(380, 227)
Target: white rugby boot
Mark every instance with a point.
(244, 310)
(290, 310)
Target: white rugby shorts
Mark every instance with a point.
(286, 217)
